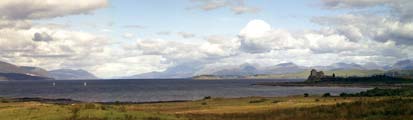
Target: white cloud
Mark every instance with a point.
(218, 46)
(128, 36)
(17, 24)
(255, 29)
(128, 66)
(258, 37)
(403, 9)
(186, 34)
(243, 9)
(68, 49)
(236, 6)
(353, 37)
(38, 9)
(134, 26)
(169, 49)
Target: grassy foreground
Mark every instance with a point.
(250, 108)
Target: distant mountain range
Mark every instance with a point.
(285, 70)
(403, 65)
(69, 74)
(13, 72)
(179, 71)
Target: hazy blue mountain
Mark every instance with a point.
(13, 72)
(19, 76)
(188, 70)
(69, 74)
(373, 66)
(10, 68)
(403, 65)
(179, 71)
(341, 66)
(283, 68)
(35, 70)
(244, 69)
(144, 75)
(249, 69)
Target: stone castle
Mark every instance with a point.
(316, 76)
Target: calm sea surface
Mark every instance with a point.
(154, 90)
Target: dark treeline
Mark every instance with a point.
(405, 92)
(371, 79)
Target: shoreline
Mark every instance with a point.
(307, 84)
(67, 101)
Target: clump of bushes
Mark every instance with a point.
(276, 101)
(4, 101)
(326, 95)
(207, 97)
(306, 94)
(258, 101)
(408, 92)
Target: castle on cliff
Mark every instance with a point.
(316, 76)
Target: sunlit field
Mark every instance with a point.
(250, 108)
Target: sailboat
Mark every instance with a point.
(85, 84)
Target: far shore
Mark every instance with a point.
(326, 84)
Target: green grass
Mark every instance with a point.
(390, 109)
(312, 107)
(84, 111)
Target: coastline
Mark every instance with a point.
(66, 101)
(309, 84)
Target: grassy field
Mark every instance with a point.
(250, 108)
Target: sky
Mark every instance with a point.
(112, 38)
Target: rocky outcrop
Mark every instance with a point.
(315, 76)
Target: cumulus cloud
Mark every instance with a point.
(244, 9)
(351, 37)
(163, 33)
(220, 46)
(258, 37)
(65, 48)
(42, 37)
(403, 9)
(236, 6)
(169, 49)
(38, 9)
(16, 24)
(259, 43)
(134, 26)
(128, 35)
(394, 26)
(211, 4)
(239, 7)
(186, 34)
